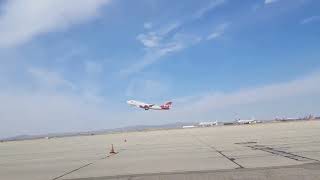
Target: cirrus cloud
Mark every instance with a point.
(22, 21)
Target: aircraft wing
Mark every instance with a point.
(140, 104)
(143, 104)
(146, 104)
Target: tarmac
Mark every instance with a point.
(289, 151)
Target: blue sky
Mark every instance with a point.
(71, 65)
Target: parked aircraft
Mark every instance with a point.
(247, 121)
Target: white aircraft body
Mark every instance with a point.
(247, 121)
(147, 106)
(208, 124)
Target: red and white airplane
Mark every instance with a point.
(146, 106)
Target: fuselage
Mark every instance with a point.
(246, 121)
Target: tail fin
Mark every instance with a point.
(166, 106)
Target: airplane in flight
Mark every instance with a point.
(146, 106)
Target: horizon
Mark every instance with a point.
(145, 127)
(70, 66)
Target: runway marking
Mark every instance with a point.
(281, 153)
(233, 160)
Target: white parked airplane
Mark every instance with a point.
(146, 106)
(247, 121)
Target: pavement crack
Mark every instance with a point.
(72, 171)
(233, 160)
(81, 167)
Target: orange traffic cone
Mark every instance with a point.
(112, 150)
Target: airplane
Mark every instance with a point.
(208, 124)
(247, 121)
(146, 106)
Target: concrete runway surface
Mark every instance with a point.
(288, 150)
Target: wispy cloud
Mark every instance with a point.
(289, 98)
(310, 19)
(154, 39)
(147, 25)
(44, 111)
(270, 1)
(149, 40)
(303, 86)
(29, 112)
(167, 39)
(45, 79)
(160, 43)
(219, 31)
(49, 100)
(49, 81)
(21, 21)
(145, 88)
(203, 11)
(165, 30)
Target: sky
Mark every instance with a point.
(68, 66)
